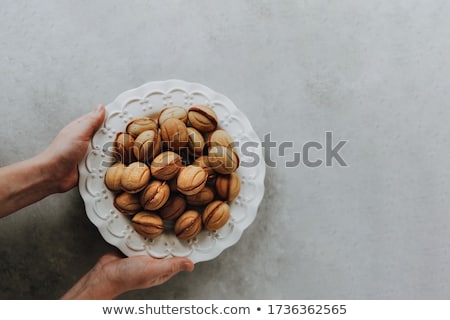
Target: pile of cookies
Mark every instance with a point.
(178, 168)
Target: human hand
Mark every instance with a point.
(54, 170)
(69, 147)
(114, 275)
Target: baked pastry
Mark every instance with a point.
(203, 118)
(166, 165)
(191, 180)
(147, 224)
(228, 186)
(173, 208)
(113, 176)
(155, 195)
(216, 215)
(135, 177)
(188, 225)
(205, 196)
(127, 203)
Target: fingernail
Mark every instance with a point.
(187, 266)
(99, 108)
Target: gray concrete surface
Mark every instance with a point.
(375, 73)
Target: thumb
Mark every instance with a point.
(164, 269)
(173, 265)
(90, 122)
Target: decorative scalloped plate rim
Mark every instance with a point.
(149, 99)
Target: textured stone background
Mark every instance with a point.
(375, 73)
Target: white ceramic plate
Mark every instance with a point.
(148, 100)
